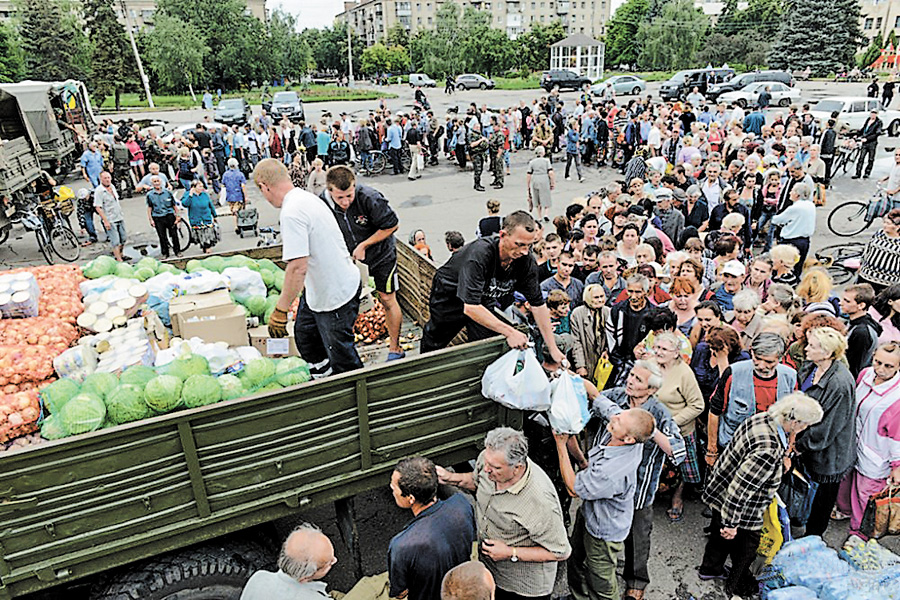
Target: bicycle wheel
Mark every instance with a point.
(850, 159)
(184, 235)
(840, 274)
(377, 163)
(848, 219)
(65, 243)
(405, 159)
(44, 246)
(841, 252)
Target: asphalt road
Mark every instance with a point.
(444, 200)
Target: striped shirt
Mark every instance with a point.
(881, 260)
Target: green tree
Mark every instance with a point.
(891, 39)
(376, 59)
(872, 52)
(12, 61)
(808, 26)
(535, 44)
(398, 57)
(111, 55)
(622, 47)
(438, 51)
(671, 40)
(175, 66)
(746, 48)
(397, 35)
(42, 25)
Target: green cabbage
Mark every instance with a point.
(185, 366)
(83, 413)
(137, 375)
(279, 280)
(201, 390)
(100, 266)
(99, 384)
(214, 263)
(193, 265)
(232, 387)
(256, 305)
(58, 393)
(163, 393)
(124, 271)
(144, 273)
(293, 370)
(167, 268)
(148, 262)
(257, 372)
(272, 387)
(126, 404)
(266, 264)
(268, 278)
(52, 428)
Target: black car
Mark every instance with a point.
(684, 82)
(232, 111)
(285, 104)
(739, 82)
(563, 79)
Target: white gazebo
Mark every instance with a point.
(579, 53)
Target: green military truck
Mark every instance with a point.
(178, 506)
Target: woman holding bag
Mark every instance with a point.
(588, 323)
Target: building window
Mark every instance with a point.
(542, 18)
(868, 24)
(532, 6)
(878, 23)
(896, 22)
(429, 20)
(418, 20)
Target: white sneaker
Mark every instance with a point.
(568, 179)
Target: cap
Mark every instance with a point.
(636, 210)
(734, 267)
(662, 192)
(518, 297)
(657, 268)
(83, 193)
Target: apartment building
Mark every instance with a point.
(879, 17)
(373, 18)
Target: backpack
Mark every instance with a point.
(184, 169)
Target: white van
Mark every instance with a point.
(421, 79)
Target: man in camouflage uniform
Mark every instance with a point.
(497, 143)
(478, 146)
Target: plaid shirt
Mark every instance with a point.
(744, 480)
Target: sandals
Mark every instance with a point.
(675, 515)
(395, 355)
(837, 515)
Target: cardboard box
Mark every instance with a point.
(273, 347)
(192, 305)
(216, 324)
(366, 299)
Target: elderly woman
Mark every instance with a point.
(826, 449)
(684, 303)
(747, 321)
(797, 350)
(742, 484)
(588, 324)
(781, 300)
(540, 181)
(815, 290)
(877, 450)
(784, 258)
(681, 394)
(881, 258)
(759, 276)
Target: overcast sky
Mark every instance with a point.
(321, 13)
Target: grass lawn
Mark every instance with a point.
(532, 82)
(315, 93)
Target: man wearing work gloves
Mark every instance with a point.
(319, 265)
(368, 224)
(483, 275)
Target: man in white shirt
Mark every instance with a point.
(712, 186)
(893, 179)
(318, 263)
(306, 557)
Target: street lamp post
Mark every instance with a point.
(137, 56)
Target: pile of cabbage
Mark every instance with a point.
(146, 268)
(105, 400)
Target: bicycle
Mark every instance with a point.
(842, 261)
(51, 232)
(375, 162)
(847, 154)
(854, 217)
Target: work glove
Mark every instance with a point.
(278, 324)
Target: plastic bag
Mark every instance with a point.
(772, 537)
(244, 283)
(516, 380)
(792, 593)
(568, 404)
(602, 372)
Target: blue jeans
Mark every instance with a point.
(325, 339)
(364, 159)
(766, 217)
(87, 222)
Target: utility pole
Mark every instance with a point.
(349, 53)
(137, 56)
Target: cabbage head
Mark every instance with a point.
(214, 263)
(137, 375)
(144, 273)
(167, 268)
(100, 267)
(293, 370)
(163, 393)
(58, 393)
(272, 387)
(200, 390)
(232, 387)
(83, 413)
(126, 404)
(185, 366)
(257, 372)
(193, 265)
(256, 305)
(99, 384)
(279, 280)
(52, 429)
(148, 262)
(124, 271)
(268, 278)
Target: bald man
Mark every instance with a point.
(470, 580)
(306, 557)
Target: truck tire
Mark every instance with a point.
(209, 572)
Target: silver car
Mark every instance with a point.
(470, 81)
(621, 84)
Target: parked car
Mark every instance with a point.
(782, 95)
(563, 79)
(421, 79)
(854, 110)
(739, 82)
(683, 83)
(285, 104)
(621, 84)
(469, 81)
(232, 110)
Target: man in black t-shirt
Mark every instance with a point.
(483, 275)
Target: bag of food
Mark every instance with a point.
(602, 372)
(516, 380)
(568, 404)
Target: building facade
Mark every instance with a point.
(373, 18)
(879, 17)
(140, 12)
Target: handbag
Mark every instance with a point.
(797, 492)
(819, 194)
(420, 161)
(602, 372)
(882, 514)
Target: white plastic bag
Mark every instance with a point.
(516, 380)
(568, 404)
(244, 283)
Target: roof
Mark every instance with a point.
(576, 39)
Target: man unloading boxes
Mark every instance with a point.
(317, 263)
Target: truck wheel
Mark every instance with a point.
(894, 128)
(208, 572)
